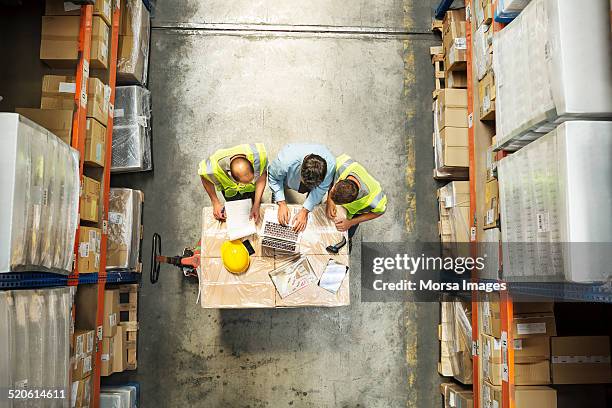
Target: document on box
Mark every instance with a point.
(333, 276)
(238, 223)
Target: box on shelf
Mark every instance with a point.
(101, 8)
(56, 121)
(111, 313)
(89, 249)
(81, 393)
(134, 33)
(83, 366)
(455, 58)
(539, 218)
(84, 342)
(451, 115)
(39, 215)
(454, 148)
(95, 143)
(125, 229)
(455, 79)
(492, 163)
(58, 93)
(132, 130)
(491, 204)
(581, 360)
(60, 40)
(483, 50)
(486, 92)
(535, 397)
(456, 396)
(108, 356)
(119, 357)
(534, 324)
(90, 198)
(454, 206)
(453, 28)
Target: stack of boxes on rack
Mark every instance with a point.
(83, 347)
(483, 58)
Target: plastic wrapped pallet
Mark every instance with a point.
(124, 229)
(555, 199)
(39, 211)
(454, 206)
(543, 74)
(111, 400)
(35, 339)
(129, 391)
(134, 35)
(132, 130)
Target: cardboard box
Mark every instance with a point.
(454, 147)
(453, 28)
(111, 313)
(80, 396)
(101, 8)
(106, 362)
(455, 58)
(491, 204)
(581, 360)
(532, 349)
(90, 196)
(83, 341)
(537, 373)
(95, 143)
(456, 396)
(453, 117)
(58, 93)
(455, 79)
(119, 358)
(491, 395)
(134, 34)
(89, 249)
(57, 121)
(83, 367)
(535, 397)
(534, 324)
(487, 94)
(491, 317)
(60, 38)
(453, 98)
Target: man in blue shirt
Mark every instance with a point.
(305, 168)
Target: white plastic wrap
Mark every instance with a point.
(35, 340)
(132, 130)
(546, 71)
(555, 197)
(110, 400)
(133, 58)
(39, 206)
(128, 391)
(124, 227)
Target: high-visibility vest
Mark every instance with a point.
(212, 171)
(375, 201)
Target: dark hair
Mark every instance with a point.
(345, 191)
(313, 170)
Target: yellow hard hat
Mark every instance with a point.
(235, 256)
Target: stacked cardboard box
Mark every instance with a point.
(483, 59)
(81, 390)
(454, 208)
(111, 313)
(456, 396)
(89, 249)
(84, 345)
(134, 33)
(524, 397)
(455, 333)
(581, 360)
(90, 197)
(450, 138)
(455, 47)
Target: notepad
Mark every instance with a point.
(238, 223)
(333, 275)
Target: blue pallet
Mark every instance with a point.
(442, 8)
(122, 277)
(150, 5)
(600, 293)
(504, 18)
(85, 278)
(31, 280)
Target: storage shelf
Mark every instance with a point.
(123, 276)
(443, 6)
(31, 280)
(87, 278)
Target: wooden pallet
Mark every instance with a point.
(436, 25)
(437, 59)
(128, 319)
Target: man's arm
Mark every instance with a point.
(260, 186)
(212, 193)
(276, 179)
(345, 224)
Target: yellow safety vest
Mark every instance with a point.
(375, 201)
(212, 171)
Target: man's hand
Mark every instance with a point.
(254, 213)
(330, 210)
(343, 225)
(300, 220)
(283, 213)
(218, 211)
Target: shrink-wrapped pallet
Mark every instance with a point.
(124, 229)
(132, 130)
(552, 63)
(39, 205)
(134, 35)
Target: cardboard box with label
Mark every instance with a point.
(491, 317)
(454, 147)
(95, 143)
(101, 8)
(58, 93)
(80, 395)
(90, 197)
(134, 34)
(107, 358)
(125, 229)
(450, 109)
(487, 94)
(534, 324)
(491, 204)
(89, 249)
(111, 313)
(453, 27)
(581, 360)
(83, 341)
(60, 40)
(456, 396)
(57, 121)
(535, 397)
(83, 366)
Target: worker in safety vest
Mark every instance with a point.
(239, 172)
(358, 192)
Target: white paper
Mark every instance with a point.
(67, 87)
(333, 276)
(238, 223)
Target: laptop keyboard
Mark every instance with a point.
(280, 231)
(280, 245)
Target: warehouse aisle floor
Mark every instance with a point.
(355, 77)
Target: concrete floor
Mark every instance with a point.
(355, 77)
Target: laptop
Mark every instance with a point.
(277, 236)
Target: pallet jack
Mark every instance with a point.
(188, 262)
